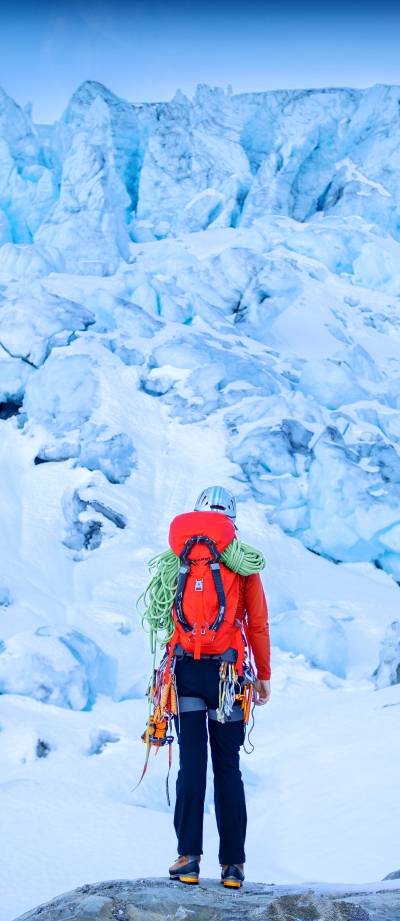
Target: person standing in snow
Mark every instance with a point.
(202, 693)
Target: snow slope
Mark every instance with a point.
(195, 292)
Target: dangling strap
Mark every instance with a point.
(168, 772)
(169, 660)
(241, 653)
(197, 643)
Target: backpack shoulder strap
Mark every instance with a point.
(184, 570)
(219, 588)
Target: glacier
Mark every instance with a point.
(196, 291)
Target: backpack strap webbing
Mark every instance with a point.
(219, 588)
(184, 570)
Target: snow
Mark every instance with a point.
(199, 291)
(309, 782)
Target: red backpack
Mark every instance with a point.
(207, 595)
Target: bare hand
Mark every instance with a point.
(263, 691)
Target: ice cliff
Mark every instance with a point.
(233, 259)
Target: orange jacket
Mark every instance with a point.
(253, 610)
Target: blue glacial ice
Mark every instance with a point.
(199, 285)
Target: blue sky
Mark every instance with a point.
(145, 51)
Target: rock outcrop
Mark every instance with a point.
(394, 875)
(162, 900)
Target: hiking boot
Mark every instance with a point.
(186, 869)
(232, 876)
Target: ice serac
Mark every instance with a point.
(129, 127)
(195, 172)
(366, 177)
(27, 187)
(88, 220)
(294, 140)
(328, 151)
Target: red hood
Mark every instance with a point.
(209, 524)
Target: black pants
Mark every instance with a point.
(200, 679)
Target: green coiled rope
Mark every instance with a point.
(159, 596)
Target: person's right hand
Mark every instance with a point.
(263, 690)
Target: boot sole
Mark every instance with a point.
(231, 883)
(185, 877)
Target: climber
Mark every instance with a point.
(210, 657)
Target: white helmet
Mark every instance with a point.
(217, 499)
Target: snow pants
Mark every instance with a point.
(198, 686)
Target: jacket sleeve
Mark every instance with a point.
(256, 614)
